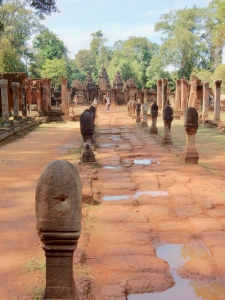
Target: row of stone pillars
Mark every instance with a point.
(5, 100)
(205, 106)
(162, 92)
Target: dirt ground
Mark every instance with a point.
(165, 202)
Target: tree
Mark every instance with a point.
(85, 60)
(54, 69)
(181, 41)
(219, 74)
(219, 30)
(47, 46)
(45, 7)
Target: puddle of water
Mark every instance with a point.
(185, 289)
(111, 167)
(107, 145)
(152, 193)
(146, 161)
(116, 138)
(136, 195)
(108, 198)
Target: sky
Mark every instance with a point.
(117, 19)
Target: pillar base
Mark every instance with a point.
(144, 124)
(190, 157)
(167, 140)
(153, 130)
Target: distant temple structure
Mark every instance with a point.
(119, 93)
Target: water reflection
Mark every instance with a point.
(185, 289)
(136, 195)
(146, 161)
(110, 198)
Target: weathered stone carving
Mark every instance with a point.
(216, 117)
(190, 155)
(167, 118)
(138, 111)
(87, 154)
(159, 93)
(15, 88)
(103, 80)
(133, 106)
(154, 114)
(5, 102)
(86, 125)
(58, 204)
(144, 122)
(205, 106)
(129, 108)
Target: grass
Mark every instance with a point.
(34, 264)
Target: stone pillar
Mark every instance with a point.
(184, 94)
(138, 111)
(178, 95)
(48, 92)
(58, 204)
(190, 155)
(133, 106)
(24, 100)
(154, 113)
(65, 105)
(4, 97)
(44, 96)
(144, 122)
(145, 95)
(129, 108)
(15, 88)
(164, 92)
(167, 118)
(205, 106)
(216, 117)
(39, 102)
(159, 93)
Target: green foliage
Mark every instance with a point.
(204, 75)
(219, 74)
(54, 69)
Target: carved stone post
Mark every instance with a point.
(144, 122)
(205, 107)
(129, 109)
(48, 86)
(138, 111)
(65, 105)
(39, 102)
(87, 132)
(24, 100)
(58, 205)
(178, 95)
(167, 118)
(145, 95)
(44, 96)
(159, 93)
(190, 155)
(154, 113)
(184, 93)
(15, 88)
(5, 103)
(164, 91)
(217, 100)
(133, 106)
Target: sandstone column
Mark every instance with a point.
(159, 93)
(217, 100)
(205, 101)
(184, 94)
(164, 92)
(190, 155)
(138, 111)
(167, 118)
(145, 95)
(154, 113)
(44, 96)
(5, 103)
(24, 100)
(133, 106)
(144, 122)
(39, 102)
(15, 88)
(58, 205)
(65, 105)
(178, 95)
(48, 86)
